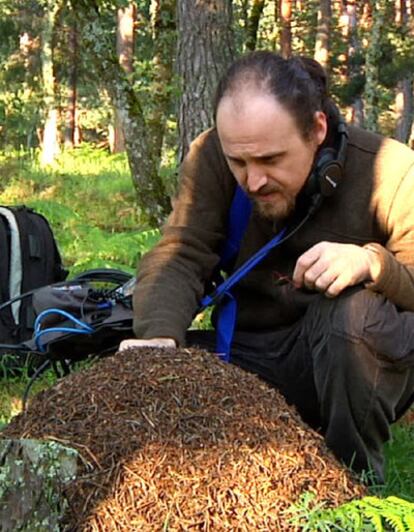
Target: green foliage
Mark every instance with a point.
(88, 198)
(399, 452)
(367, 514)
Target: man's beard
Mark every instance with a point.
(279, 209)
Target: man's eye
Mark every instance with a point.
(237, 162)
(270, 160)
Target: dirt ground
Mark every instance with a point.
(178, 440)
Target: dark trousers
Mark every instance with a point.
(347, 366)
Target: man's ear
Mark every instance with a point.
(320, 127)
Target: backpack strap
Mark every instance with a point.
(15, 268)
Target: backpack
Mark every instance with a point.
(29, 259)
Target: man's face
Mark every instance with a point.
(266, 152)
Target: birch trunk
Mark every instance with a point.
(150, 190)
(125, 52)
(50, 143)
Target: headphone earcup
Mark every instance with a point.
(325, 175)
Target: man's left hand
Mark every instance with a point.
(329, 267)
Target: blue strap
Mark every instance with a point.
(227, 311)
(239, 216)
(244, 269)
(226, 322)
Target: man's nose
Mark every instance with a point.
(256, 178)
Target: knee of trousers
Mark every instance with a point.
(361, 315)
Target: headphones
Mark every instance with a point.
(328, 169)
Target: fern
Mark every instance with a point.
(367, 514)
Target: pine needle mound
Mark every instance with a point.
(178, 440)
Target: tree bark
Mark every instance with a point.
(322, 34)
(285, 17)
(376, 17)
(164, 38)
(205, 49)
(404, 90)
(253, 24)
(355, 112)
(71, 134)
(50, 143)
(125, 52)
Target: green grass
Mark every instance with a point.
(89, 199)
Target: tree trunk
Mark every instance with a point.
(376, 7)
(71, 133)
(50, 144)
(125, 53)
(205, 49)
(322, 34)
(285, 17)
(253, 24)
(151, 195)
(164, 38)
(355, 112)
(404, 91)
(404, 109)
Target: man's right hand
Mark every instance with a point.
(149, 342)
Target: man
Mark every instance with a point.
(327, 317)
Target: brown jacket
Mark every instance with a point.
(373, 205)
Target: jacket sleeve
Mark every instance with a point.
(396, 278)
(171, 277)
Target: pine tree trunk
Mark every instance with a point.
(404, 109)
(205, 49)
(71, 136)
(404, 91)
(322, 34)
(50, 144)
(285, 16)
(355, 112)
(253, 23)
(372, 64)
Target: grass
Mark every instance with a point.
(89, 199)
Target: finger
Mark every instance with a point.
(303, 264)
(319, 275)
(325, 280)
(336, 287)
(127, 344)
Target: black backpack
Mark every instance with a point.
(29, 259)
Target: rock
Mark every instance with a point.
(32, 476)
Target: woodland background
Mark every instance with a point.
(99, 100)
(140, 76)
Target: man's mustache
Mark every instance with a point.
(269, 188)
